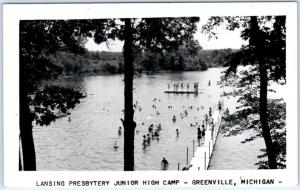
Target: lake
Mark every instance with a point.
(86, 142)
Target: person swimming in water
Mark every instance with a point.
(144, 140)
(203, 132)
(177, 133)
(159, 127)
(219, 106)
(115, 145)
(156, 133)
(174, 118)
(185, 112)
(120, 131)
(150, 129)
(148, 138)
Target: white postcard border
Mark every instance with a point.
(13, 13)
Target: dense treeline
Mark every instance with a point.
(90, 63)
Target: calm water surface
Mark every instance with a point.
(86, 142)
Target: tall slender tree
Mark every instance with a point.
(266, 55)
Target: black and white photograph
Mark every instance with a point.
(179, 93)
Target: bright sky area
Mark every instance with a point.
(226, 39)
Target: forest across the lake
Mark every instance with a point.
(104, 62)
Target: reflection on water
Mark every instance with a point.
(77, 83)
(87, 141)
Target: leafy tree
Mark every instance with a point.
(264, 59)
(38, 39)
(193, 47)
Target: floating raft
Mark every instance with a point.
(203, 154)
(181, 91)
(184, 91)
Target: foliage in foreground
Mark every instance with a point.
(246, 117)
(52, 102)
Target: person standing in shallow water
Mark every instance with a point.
(199, 136)
(144, 140)
(219, 106)
(164, 164)
(120, 131)
(203, 132)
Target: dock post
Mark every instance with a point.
(187, 155)
(193, 147)
(204, 160)
(208, 148)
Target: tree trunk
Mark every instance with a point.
(20, 161)
(28, 151)
(263, 100)
(26, 118)
(128, 122)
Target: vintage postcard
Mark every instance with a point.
(146, 94)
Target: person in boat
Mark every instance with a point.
(177, 133)
(69, 119)
(120, 131)
(164, 164)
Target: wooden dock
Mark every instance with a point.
(202, 155)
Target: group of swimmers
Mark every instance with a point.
(152, 134)
(184, 113)
(181, 85)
